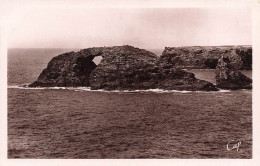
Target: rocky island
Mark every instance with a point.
(122, 68)
(130, 68)
(229, 78)
(206, 57)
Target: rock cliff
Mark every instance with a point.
(122, 68)
(206, 57)
(68, 69)
(129, 68)
(229, 78)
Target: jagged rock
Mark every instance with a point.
(68, 70)
(206, 57)
(177, 79)
(122, 68)
(229, 78)
(129, 68)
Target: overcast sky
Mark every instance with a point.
(144, 28)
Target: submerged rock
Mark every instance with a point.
(121, 68)
(229, 78)
(206, 57)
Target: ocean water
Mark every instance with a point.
(79, 123)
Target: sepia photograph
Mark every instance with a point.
(130, 83)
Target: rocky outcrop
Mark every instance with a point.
(229, 78)
(68, 70)
(122, 68)
(206, 57)
(129, 68)
(177, 79)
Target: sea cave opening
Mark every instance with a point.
(97, 59)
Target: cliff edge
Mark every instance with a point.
(206, 57)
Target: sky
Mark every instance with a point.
(144, 27)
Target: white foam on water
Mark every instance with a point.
(12, 86)
(224, 90)
(22, 87)
(88, 89)
(26, 87)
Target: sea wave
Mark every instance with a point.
(83, 89)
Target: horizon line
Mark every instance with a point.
(128, 45)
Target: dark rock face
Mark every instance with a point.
(129, 68)
(68, 70)
(177, 79)
(229, 78)
(206, 57)
(122, 68)
(211, 63)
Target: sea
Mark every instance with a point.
(77, 123)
